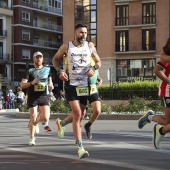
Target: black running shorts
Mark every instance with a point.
(94, 97)
(71, 94)
(37, 101)
(165, 101)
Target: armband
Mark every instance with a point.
(59, 71)
(95, 67)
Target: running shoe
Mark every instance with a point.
(82, 153)
(144, 119)
(32, 141)
(88, 133)
(47, 129)
(61, 129)
(157, 137)
(37, 129)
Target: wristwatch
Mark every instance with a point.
(96, 67)
(59, 71)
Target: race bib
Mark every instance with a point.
(93, 89)
(82, 91)
(39, 87)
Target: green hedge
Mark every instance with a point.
(125, 90)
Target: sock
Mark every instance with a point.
(46, 124)
(79, 143)
(63, 123)
(88, 124)
(150, 117)
(160, 131)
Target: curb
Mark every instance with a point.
(101, 117)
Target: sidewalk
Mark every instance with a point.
(101, 117)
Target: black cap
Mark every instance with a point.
(79, 26)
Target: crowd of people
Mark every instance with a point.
(10, 100)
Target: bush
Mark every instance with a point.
(60, 106)
(137, 105)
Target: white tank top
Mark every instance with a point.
(78, 64)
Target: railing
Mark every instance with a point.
(44, 7)
(135, 21)
(3, 33)
(128, 94)
(46, 43)
(47, 26)
(5, 56)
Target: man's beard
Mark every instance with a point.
(81, 40)
(38, 63)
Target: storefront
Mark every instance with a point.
(135, 69)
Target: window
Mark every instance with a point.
(85, 12)
(26, 16)
(25, 54)
(21, 73)
(55, 3)
(1, 50)
(139, 69)
(25, 35)
(148, 39)
(122, 41)
(122, 15)
(149, 13)
(26, 1)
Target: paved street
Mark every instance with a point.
(116, 145)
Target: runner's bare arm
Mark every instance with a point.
(95, 55)
(55, 61)
(50, 84)
(165, 58)
(158, 70)
(58, 56)
(25, 84)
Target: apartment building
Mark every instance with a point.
(37, 27)
(128, 34)
(6, 58)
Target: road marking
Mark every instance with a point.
(92, 160)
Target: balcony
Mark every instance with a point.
(5, 58)
(135, 22)
(135, 47)
(4, 4)
(46, 8)
(3, 33)
(49, 44)
(47, 26)
(5, 78)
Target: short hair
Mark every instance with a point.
(79, 26)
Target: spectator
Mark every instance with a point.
(20, 96)
(11, 98)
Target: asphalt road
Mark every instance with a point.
(116, 145)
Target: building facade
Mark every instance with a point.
(128, 34)
(37, 26)
(6, 58)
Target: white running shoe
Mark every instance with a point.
(82, 153)
(60, 130)
(32, 141)
(157, 137)
(37, 129)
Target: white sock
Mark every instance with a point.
(150, 117)
(46, 124)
